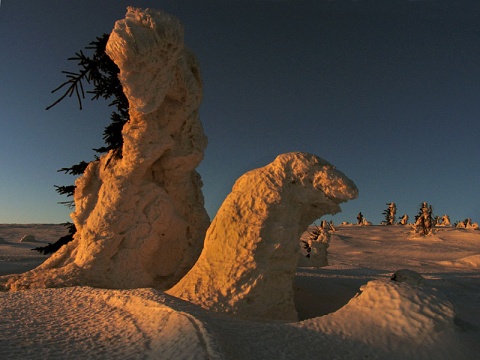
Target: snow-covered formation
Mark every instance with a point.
(446, 220)
(425, 221)
(390, 214)
(313, 247)
(415, 314)
(140, 219)
(28, 238)
(251, 248)
(467, 224)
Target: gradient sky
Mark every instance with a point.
(388, 91)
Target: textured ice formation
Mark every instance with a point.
(251, 248)
(140, 219)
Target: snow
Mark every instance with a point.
(348, 310)
(100, 324)
(16, 256)
(387, 292)
(314, 247)
(28, 238)
(140, 218)
(252, 246)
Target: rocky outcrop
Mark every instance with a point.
(251, 248)
(140, 219)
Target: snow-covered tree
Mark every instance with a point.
(466, 224)
(101, 72)
(360, 218)
(390, 214)
(313, 235)
(446, 220)
(424, 220)
(404, 219)
(327, 225)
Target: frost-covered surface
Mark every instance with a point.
(140, 219)
(100, 323)
(251, 248)
(314, 248)
(439, 319)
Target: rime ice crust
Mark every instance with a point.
(251, 248)
(140, 219)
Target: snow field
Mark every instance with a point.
(350, 310)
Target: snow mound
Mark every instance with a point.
(387, 320)
(472, 261)
(28, 238)
(252, 248)
(391, 310)
(140, 218)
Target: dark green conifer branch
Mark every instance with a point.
(101, 73)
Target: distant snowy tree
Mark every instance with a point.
(404, 219)
(390, 214)
(360, 218)
(99, 71)
(332, 226)
(466, 224)
(327, 226)
(424, 220)
(446, 220)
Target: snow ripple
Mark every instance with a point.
(88, 323)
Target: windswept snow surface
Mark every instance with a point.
(16, 256)
(350, 309)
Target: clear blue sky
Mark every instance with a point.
(388, 91)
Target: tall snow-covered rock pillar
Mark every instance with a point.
(140, 219)
(251, 248)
